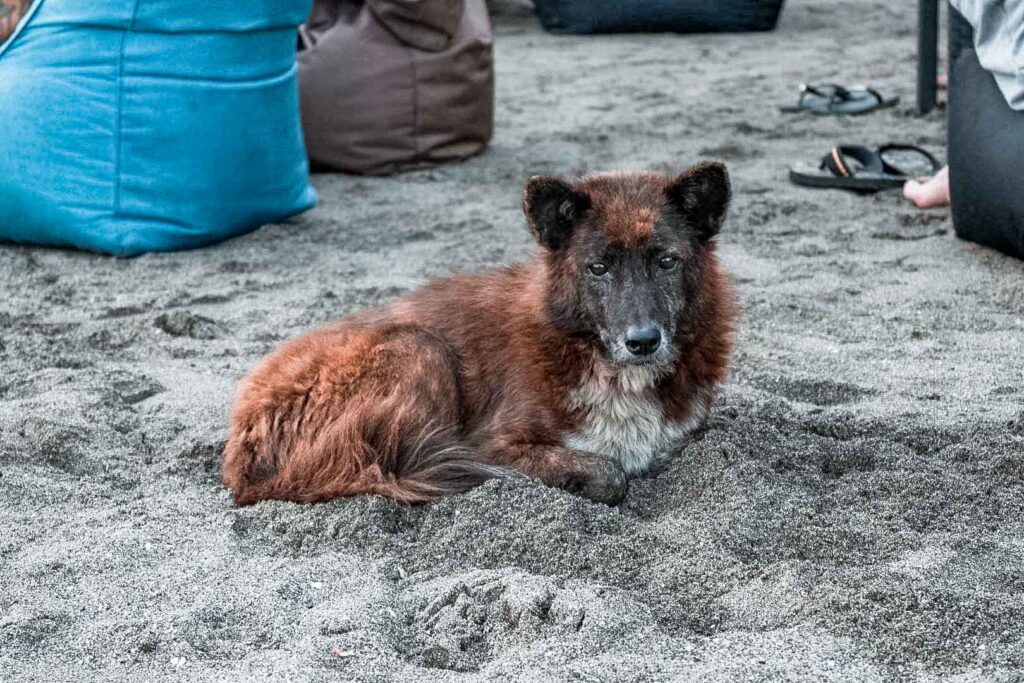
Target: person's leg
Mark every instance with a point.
(986, 145)
(929, 193)
(935, 191)
(960, 35)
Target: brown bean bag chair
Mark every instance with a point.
(388, 85)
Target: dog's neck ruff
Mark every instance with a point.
(621, 416)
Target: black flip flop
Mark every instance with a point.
(831, 99)
(862, 169)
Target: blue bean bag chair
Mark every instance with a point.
(661, 16)
(129, 126)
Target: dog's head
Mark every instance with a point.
(625, 254)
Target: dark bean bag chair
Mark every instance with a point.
(389, 85)
(663, 16)
(986, 151)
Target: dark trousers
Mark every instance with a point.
(986, 150)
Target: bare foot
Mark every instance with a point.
(931, 193)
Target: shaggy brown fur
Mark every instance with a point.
(473, 377)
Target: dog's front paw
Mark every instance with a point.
(599, 479)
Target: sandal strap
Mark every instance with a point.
(879, 97)
(838, 159)
(835, 93)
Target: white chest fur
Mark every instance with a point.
(623, 418)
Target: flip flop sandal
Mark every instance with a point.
(862, 169)
(830, 99)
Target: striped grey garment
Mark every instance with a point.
(999, 42)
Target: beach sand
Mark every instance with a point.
(853, 510)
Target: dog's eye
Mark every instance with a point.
(668, 262)
(597, 269)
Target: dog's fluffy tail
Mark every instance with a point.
(437, 465)
(411, 467)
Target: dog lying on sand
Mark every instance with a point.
(577, 368)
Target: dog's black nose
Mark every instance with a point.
(643, 340)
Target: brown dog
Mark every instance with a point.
(577, 368)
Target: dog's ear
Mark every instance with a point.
(552, 208)
(701, 194)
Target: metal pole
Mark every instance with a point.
(927, 53)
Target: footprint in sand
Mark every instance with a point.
(460, 623)
(129, 388)
(818, 392)
(188, 324)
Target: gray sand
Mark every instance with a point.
(854, 509)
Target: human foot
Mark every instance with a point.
(931, 193)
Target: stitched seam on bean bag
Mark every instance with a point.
(120, 103)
